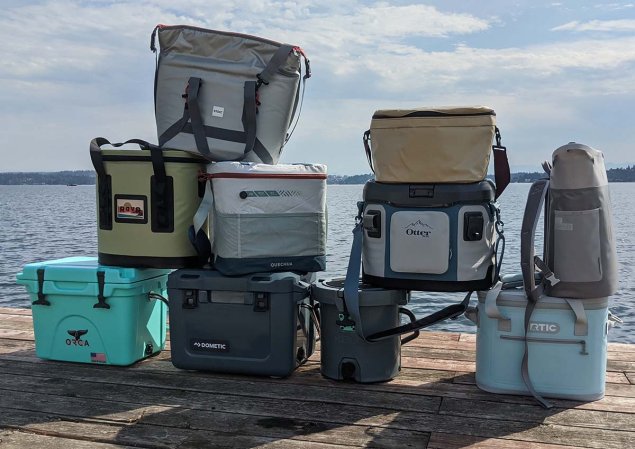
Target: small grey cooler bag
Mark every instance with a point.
(146, 200)
(227, 96)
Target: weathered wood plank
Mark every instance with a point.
(536, 414)
(15, 311)
(612, 377)
(630, 377)
(137, 433)
(16, 439)
(17, 334)
(458, 441)
(322, 413)
(14, 379)
(156, 426)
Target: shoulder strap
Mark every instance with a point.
(502, 175)
(535, 201)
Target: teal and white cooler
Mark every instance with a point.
(89, 313)
(567, 341)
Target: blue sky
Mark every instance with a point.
(554, 71)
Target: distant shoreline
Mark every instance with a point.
(87, 177)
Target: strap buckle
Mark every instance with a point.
(551, 278)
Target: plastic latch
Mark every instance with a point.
(190, 299)
(261, 302)
(345, 323)
(41, 298)
(372, 223)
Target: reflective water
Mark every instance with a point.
(49, 222)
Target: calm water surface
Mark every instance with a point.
(49, 222)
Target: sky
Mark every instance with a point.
(554, 72)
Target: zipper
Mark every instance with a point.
(265, 176)
(435, 114)
(226, 33)
(112, 158)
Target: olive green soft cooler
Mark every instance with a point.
(146, 200)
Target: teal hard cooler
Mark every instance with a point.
(89, 313)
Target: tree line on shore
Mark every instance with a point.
(87, 177)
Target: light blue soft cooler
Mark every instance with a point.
(89, 313)
(567, 349)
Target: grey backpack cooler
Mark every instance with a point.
(227, 96)
(580, 263)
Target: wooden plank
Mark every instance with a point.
(537, 414)
(630, 377)
(17, 334)
(138, 433)
(92, 399)
(14, 439)
(15, 311)
(458, 441)
(612, 377)
(17, 379)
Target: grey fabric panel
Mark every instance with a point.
(269, 235)
(224, 62)
(585, 243)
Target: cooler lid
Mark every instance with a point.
(516, 298)
(206, 279)
(429, 195)
(256, 170)
(438, 111)
(84, 269)
(331, 291)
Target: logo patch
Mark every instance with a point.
(77, 338)
(419, 229)
(198, 344)
(218, 111)
(544, 328)
(131, 209)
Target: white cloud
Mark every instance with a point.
(622, 25)
(76, 69)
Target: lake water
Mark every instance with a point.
(49, 222)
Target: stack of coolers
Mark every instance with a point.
(428, 222)
(550, 337)
(242, 235)
(260, 226)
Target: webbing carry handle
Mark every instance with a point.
(161, 186)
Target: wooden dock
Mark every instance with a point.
(433, 404)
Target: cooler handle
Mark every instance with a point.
(561, 341)
(101, 299)
(413, 318)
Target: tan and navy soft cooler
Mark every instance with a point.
(431, 145)
(145, 203)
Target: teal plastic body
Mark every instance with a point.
(72, 323)
(563, 362)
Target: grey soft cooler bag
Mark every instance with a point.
(227, 96)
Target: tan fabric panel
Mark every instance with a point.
(449, 145)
